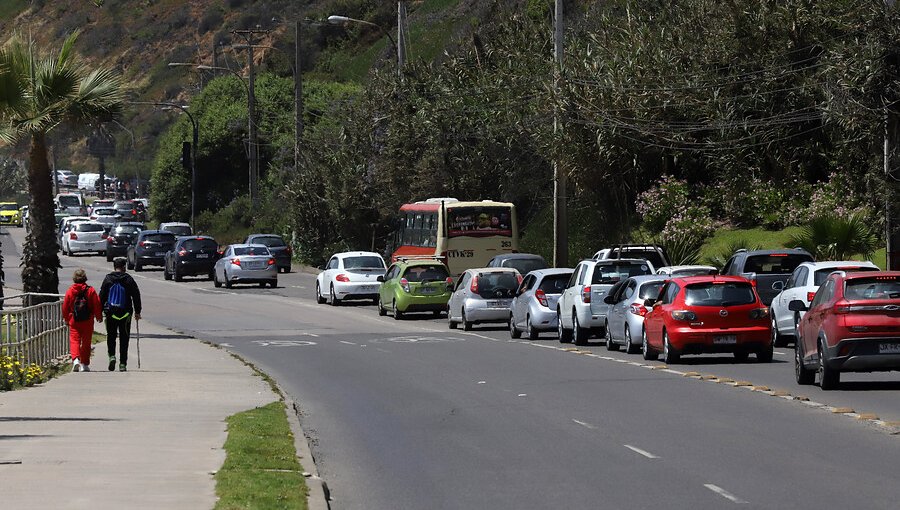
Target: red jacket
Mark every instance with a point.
(69, 302)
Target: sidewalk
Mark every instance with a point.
(150, 438)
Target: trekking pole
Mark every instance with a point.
(137, 323)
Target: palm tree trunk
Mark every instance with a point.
(40, 253)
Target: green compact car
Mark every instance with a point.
(415, 286)
(9, 214)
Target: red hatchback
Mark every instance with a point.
(707, 314)
(851, 325)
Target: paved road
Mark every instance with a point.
(408, 414)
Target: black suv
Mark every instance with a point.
(766, 268)
(120, 237)
(149, 249)
(277, 247)
(191, 256)
(131, 210)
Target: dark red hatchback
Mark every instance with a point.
(851, 325)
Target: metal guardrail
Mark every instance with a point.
(33, 331)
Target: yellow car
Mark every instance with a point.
(9, 214)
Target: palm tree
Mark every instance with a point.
(837, 238)
(39, 91)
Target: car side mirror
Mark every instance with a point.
(320, 268)
(649, 302)
(797, 306)
(779, 285)
(609, 300)
(380, 278)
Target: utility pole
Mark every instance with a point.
(298, 100)
(560, 214)
(401, 36)
(250, 35)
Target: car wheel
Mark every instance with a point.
(630, 348)
(321, 299)
(778, 340)
(228, 283)
(138, 267)
(216, 281)
(451, 323)
(829, 378)
(581, 334)
(334, 299)
(467, 326)
(741, 355)
(176, 275)
(273, 284)
(766, 354)
(397, 313)
(130, 264)
(565, 336)
(109, 257)
(803, 375)
(513, 330)
(645, 348)
(530, 332)
(670, 355)
(610, 345)
(166, 274)
(381, 311)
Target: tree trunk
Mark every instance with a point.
(40, 252)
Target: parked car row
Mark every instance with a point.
(844, 315)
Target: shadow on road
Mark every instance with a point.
(52, 418)
(724, 360)
(869, 386)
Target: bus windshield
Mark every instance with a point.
(479, 221)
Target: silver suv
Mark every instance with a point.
(581, 310)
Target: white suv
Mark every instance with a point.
(580, 310)
(802, 285)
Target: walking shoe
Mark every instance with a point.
(112, 363)
(122, 367)
(76, 365)
(85, 368)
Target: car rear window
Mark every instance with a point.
(695, 271)
(179, 230)
(822, 274)
(608, 274)
(89, 227)
(877, 287)
(555, 283)
(252, 250)
(650, 290)
(525, 266)
(497, 285)
(105, 212)
(69, 201)
(200, 244)
(719, 294)
(160, 238)
(270, 241)
(127, 229)
(629, 253)
(426, 274)
(779, 263)
(364, 262)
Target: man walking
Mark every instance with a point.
(121, 298)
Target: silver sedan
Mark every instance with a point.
(481, 296)
(534, 308)
(246, 263)
(625, 318)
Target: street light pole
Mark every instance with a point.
(298, 99)
(249, 35)
(560, 212)
(401, 54)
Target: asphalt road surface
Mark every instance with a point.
(411, 415)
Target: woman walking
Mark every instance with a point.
(80, 308)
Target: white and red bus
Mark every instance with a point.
(463, 235)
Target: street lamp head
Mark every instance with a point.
(338, 20)
(181, 64)
(205, 67)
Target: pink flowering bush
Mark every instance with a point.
(674, 210)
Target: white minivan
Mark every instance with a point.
(88, 181)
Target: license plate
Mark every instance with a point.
(427, 290)
(725, 339)
(160, 254)
(498, 304)
(252, 265)
(889, 348)
(370, 288)
(203, 255)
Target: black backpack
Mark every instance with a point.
(82, 309)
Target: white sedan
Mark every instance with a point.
(802, 285)
(350, 275)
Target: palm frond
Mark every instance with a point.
(99, 96)
(837, 238)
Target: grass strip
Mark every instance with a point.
(261, 470)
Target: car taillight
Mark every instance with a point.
(105, 236)
(842, 306)
(684, 315)
(541, 298)
(141, 244)
(133, 212)
(519, 278)
(810, 296)
(586, 294)
(449, 282)
(342, 278)
(474, 286)
(759, 313)
(110, 238)
(73, 236)
(236, 262)
(182, 252)
(638, 309)
(404, 284)
(270, 262)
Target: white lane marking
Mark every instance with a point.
(781, 353)
(226, 345)
(725, 494)
(523, 394)
(645, 453)
(297, 287)
(482, 382)
(584, 424)
(480, 336)
(348, 343)
(382, 350)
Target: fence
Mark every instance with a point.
(33, 331)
